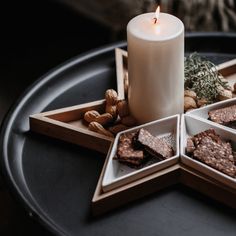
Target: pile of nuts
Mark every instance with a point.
(191, 101)
(115, 119)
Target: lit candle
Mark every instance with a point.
(156, 66)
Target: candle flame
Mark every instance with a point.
(157, 13)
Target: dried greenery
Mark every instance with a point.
(202, 77)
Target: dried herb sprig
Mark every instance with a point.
(202, 77)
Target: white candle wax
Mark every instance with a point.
(156, 66)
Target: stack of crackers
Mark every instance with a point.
(136, 148)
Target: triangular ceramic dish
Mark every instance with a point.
(202, 113)
(117, 174)
(191, 126)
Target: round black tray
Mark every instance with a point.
(55, 180)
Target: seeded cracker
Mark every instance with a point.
(126, 153)
(210, 149)
(224, 116)
(153, 145)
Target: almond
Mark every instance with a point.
(96, 127)
(111, 97)
(112, 110)
(104, 119)
(123, 108)
(90, 116)
(189, 103)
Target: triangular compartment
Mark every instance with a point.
(202, 113)
(191, 126)
(117, 174)
(228, 70)
(67, 124)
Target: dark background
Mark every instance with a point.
(35, 37)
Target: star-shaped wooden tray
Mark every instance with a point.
(66, 124)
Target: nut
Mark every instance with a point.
(189, 103)
(123, 108)
(128, 121)
(118, 128)
(104, 119)
(126, 83)
(111, 97)
(112, 110)
(190, 93)
(225, 94)
(226, 83)
(202, 102)
(90, 116)
(96, 127)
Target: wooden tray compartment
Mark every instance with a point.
(67, 123)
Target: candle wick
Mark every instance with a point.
(155, 20)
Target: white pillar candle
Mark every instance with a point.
(155, 66)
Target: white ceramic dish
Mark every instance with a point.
(117, 174)
(202, 113)
(192, 125)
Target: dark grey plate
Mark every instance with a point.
(55, 180)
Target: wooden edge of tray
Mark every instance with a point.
(60, 124)
(106, 201)
(121, 66)
(227, 68)
(176, 174)
(207, 186)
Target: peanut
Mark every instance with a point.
(112, 110)
(189, 103)
(104, 119)
(123, 108)
(90, 116)
(227, 85)
(96, 127)
(111, 97)
(128, 121)
(202, 102)
(190, 93)
(118, 128)
(225, 94)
